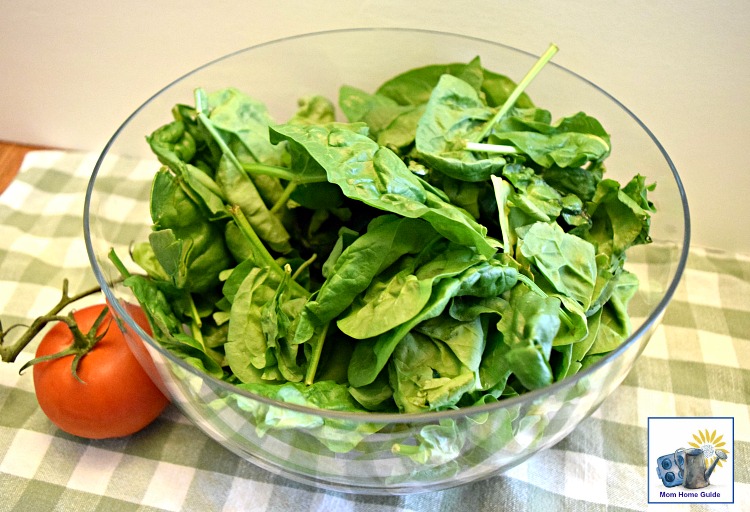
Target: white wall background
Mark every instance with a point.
(70, 72)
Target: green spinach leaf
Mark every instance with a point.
(566, 261)
(374, 175)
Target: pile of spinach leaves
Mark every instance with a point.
(444, 245)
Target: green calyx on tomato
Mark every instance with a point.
(82, 342)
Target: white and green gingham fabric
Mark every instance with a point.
(697, 364)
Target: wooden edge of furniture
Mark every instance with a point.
(11, 157)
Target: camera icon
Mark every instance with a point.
(668, 469)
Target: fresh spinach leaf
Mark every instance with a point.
(566, 261)
(620, 217)
(337, 435)
(246, 336)
(529, 329)
(387, 239)
(415, 86)
(168, 328)
(390, 124)
(189, 247)
(371, 355)
(455, 114)
(237, 115)
(239, 190)
(426, 375)
(571, 142)
(314, 109)
(400, 293)
(374, 175)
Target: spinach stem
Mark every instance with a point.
(304, 265)
(119, 265)
(281, 173)
(531, 284)
(566, 318)
(312, 366)
(200, 107)
(502, 192)
(535, 69)
(535, 288)
(205, 180)
(404, 449)
(194, 313)
(195, 331)
(251, 168)
(281, 201)
(499, 149)
(259, 250)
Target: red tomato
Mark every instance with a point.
(117, 397)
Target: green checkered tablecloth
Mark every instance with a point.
(697, 364)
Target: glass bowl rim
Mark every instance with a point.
(379, 417)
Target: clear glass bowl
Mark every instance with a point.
(478, 442)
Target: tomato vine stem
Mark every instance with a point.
(9, 352)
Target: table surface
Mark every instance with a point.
(696, 365)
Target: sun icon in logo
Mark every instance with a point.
(709, 444)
